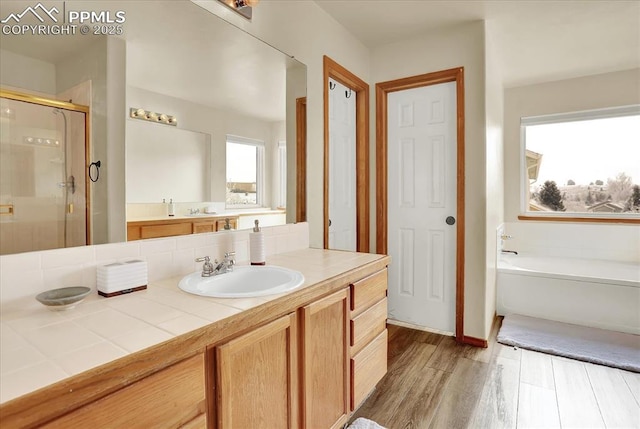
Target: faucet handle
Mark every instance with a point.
(233, 253)
(203, 259)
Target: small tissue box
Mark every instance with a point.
(122, 277)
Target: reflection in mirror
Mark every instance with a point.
(42, 176)
(166, 164)
(216, 79)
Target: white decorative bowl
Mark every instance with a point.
(64, 298)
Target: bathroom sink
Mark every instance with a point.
(243, 282)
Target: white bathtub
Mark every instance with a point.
(598, 293)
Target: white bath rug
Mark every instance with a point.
(600, 346)
(362, 423)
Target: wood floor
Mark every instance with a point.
(433, 382)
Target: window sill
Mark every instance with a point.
(578, 218)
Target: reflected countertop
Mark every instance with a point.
(217, 215)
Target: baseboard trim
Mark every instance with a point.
(419, 328)
(476, 342)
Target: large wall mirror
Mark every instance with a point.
(172, 57)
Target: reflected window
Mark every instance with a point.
(245, 172)
(583, 163)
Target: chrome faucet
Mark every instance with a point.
(226, 265)
(504, 237)
(207, 267)
(194, 211)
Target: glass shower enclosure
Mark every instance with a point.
(44, 192)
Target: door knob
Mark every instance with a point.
(329, 222)
(450, 220)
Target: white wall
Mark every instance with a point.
(28, 73)
(302, 29)
(461, 45)
(571, 95)
(116, 114)
(494, 169)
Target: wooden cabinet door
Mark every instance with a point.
(257, 378)
(325, 359)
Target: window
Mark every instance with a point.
(582, 164)
(245, 172)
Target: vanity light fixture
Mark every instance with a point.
(243, 7)
(147, 115)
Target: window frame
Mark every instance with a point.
(282, 174)
(525, 214)
(260, 170)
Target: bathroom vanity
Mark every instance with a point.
(155, 228)
(306, 358)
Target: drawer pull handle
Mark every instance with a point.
(6, 209)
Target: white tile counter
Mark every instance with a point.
(39, 347)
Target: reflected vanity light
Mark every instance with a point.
(147, 115)
(40, 141)
(243, 7)
(7, 112)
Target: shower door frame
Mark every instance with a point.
(48, 102)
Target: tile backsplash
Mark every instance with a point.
(617, 242)
(24, 275)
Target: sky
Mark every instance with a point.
(586, 151)
(241, 163)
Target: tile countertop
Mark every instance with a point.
(39, 347)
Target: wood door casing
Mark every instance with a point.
(325, 361)
(301, 159)
(382, 89)
(335, 71)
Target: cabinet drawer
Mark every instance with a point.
(368, 291)
(201, 227)
(171, 397)
(367, 368)
(233, 223)
(168, 230)
(368, 325)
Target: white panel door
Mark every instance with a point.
(342, 167)
(421, 195)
